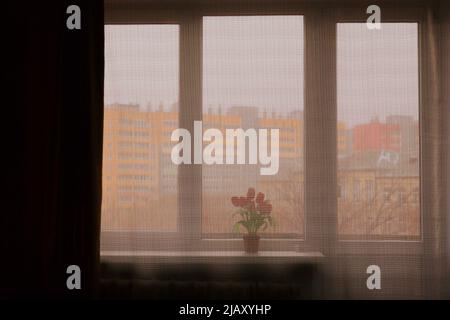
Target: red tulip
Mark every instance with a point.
(251, 193)
(235, 201)
(260, 198)
(243, 201)
(265, 208)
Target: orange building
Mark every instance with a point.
(291, 135)
(140, 181)
(376, 136)
(137, 167)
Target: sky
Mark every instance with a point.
(141, 64)
(258, 61)
(377, 71)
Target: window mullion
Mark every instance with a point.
(190, 110)
(320, 131)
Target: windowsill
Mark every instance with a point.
(211, 257)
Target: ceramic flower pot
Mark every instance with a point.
(251, 243)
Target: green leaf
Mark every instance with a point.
(238, 213)
(245, 224)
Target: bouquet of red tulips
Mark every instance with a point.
(254, 212)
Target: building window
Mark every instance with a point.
(356, 190)
(370, 189)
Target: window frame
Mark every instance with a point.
(320, 122)
(414, 13)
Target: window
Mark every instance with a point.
(378, 103)
(345, 100)
(141, 71)
(253, 79)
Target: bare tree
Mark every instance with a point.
(393, 206)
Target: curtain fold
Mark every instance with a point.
(434, 146)
(445, 100)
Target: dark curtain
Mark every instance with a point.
(53, 102)
(445, 88)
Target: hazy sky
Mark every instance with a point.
(253, 61)
(141, 64)
(377, 71)
(258, 61)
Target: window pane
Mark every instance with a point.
(141, 111)
(253, 79)
(378, 131)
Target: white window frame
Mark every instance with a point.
(320, 114)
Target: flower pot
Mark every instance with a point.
(251, 243)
